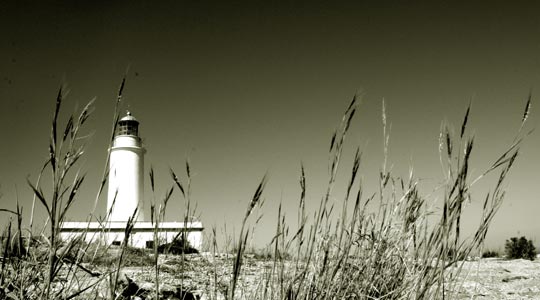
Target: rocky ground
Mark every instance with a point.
(495, 278)
(490, 278)
(205, 275)
(192, 276)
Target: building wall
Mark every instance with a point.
(138, 238)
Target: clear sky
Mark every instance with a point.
(245, 89)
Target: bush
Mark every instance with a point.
(105, 256)
(490, 253)
(520, 248)
(177, 246)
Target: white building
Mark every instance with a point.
(125, 195)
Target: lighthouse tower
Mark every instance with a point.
(126, 172)
(125, 195)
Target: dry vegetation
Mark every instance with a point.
(350, 252)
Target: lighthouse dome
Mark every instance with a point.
(129, 117)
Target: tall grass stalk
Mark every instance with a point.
(125, 242)
(116, 118)
(242, 240)
(158, 212)
(65, 151)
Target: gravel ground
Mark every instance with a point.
(494, 278)
(490, 278)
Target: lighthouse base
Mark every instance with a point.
(141, 236)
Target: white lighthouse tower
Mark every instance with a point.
(125, 195)
(126, 172)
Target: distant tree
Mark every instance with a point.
(520, 248)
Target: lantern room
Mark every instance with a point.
(128, 125)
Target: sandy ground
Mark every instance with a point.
(490, 278)
(494, 278)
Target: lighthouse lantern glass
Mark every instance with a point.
(128, 128)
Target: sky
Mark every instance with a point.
(247, 89)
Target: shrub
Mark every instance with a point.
(177, 246)
(520, 248)
(132, 257)
(490, 253)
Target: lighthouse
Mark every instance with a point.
(126, 169)
(125, 199)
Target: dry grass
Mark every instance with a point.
(388, 245)
(390, 253)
